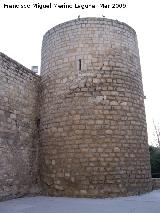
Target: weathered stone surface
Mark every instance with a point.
(18, 129)
(93, 125)
(156, 183)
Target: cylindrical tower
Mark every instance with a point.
(93, 125)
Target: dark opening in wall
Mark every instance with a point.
(80, 64)
(38, 123)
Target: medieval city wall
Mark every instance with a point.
(79, 129)
(93, 132)
(18, 129)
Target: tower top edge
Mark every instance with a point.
(91, 20)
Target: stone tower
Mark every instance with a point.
(93, 126)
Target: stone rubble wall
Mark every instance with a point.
(156, 183)
(80, 128)
(93, 125)
(19, 138)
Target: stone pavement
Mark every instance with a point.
(147, 203)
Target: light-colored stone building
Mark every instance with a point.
(80, 128)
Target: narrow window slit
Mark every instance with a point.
(80, 64)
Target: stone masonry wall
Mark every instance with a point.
(155, 183)
(93, 125)
(18, 129)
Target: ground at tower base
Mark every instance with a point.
(147, 203)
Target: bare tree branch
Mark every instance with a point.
(157, 132)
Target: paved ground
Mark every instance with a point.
(147, 203)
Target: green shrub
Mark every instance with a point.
(155, 161)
